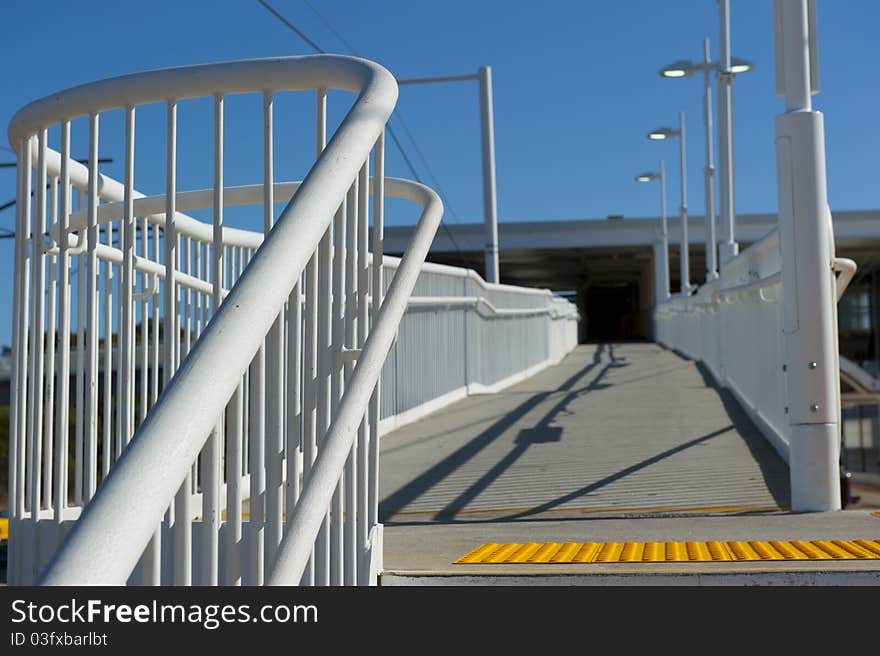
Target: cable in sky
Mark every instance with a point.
(391, 132)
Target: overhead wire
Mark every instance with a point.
(390, 128)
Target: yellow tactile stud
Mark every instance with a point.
(671, 552)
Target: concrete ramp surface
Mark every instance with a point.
(621, 444)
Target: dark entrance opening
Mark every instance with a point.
(612, 312)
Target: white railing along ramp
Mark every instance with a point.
(223, 388)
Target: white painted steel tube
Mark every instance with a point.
(727, 247)
(664, 236)
(683, 211)
(49, 376)
(809, 300)
(378, 300)
(355, 196)
(294, 551)
(38, 262)
(90, 428)
(274, 371)
(337, 322)
(63, 409)
(161, 452)
(363, 318)
(490, 203)
(126, 293)
(709, 170)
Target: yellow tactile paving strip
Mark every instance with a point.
(669, 552)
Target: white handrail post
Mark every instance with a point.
(487, 123)
(727, 248)
(809, 330)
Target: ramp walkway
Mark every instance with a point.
(621, 443)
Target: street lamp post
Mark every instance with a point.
(487, 144)
(728, 247)
(709, 169)
(661, 247)
(661, 134)
(728, 68)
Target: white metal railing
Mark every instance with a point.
(462, 335)
(733, 325)
(191, 441)
(222, 380)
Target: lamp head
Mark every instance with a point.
(738, 65)
(661, 134)
(680, 68)
(647, 177)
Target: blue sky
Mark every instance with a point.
(575, 83)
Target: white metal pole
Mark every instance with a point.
(683, 211)
(709, 170)
(487, 123)
(664, 279)
(728, 248)
(809, 326)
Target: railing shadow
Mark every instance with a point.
(542, 433)
(773, 468)
(424, 482)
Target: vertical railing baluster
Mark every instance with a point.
(234, 438)
(145, 325)
(334, 361)
(49, 405)
(310, 382)
(18, 390)
(211, 475)
(127, 228)
(274, 360)
(197, 296)
(182, 525)
(38, 334)
(79, 433)
(90, 455)
(107, 365)
(256, 466)
(378, 293)
(293, 405)
(151, 572)
(363, 318)
(154, 356)
(349, 475)
(323, 388)
(186, 295)
(322, 547)
(62, 409)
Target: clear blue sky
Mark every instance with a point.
(575, 83)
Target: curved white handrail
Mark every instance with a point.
(374, 83)
(119, 521)
(483, 302)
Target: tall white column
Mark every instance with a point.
(683, 211)
(490, 215)
(709, 170)
(809, 325)
(661, 247)
(727, 248)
